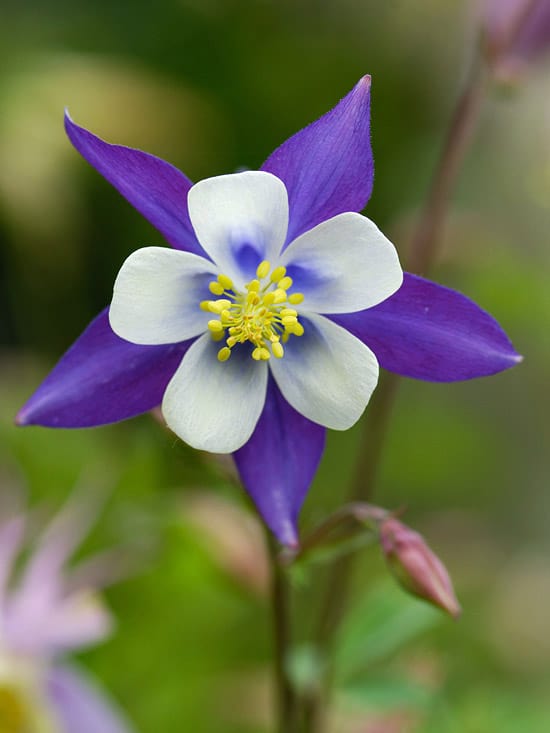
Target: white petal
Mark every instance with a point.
(327, 374)
(215, 405)
(240, 220)
(157, 295)
(343, 265)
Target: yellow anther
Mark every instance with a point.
(296, 298)
(278, 350)
(224, 354)
(289, 320)
(261, 315)
(263, 269)
(277, 274)
(225, 282)
(217, 306)
(216, 288)
(215, 326)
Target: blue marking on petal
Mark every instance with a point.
(247, 257)
(306, 278)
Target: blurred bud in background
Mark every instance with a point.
(416, 567)
(517, 33)
(233, 538)
(46, 611)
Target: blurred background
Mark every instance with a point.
(213, 85)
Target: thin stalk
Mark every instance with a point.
(427, 237)
(421, 255)
(285, 699)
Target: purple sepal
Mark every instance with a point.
(153, 186)
(429, 332)
(328, 166)
(102, 379)
(80, 706)
(278, 464)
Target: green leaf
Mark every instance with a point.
(389, 693)
(382, 622)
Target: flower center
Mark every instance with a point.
(262, 314)
(13, 714)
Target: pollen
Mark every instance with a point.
(296, 298)
(216, 288)
(277, 274)
(225, 282)
(262, 313)
(263, 269)
(224, 354)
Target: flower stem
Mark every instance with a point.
(427, 237)
(285, 699)
(421, 256)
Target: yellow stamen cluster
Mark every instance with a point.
(263, 314)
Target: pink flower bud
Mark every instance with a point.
(516, 32)
(416, 567)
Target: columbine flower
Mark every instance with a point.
(254, 309)
(44, 613)
(416, 567)
(267, 321)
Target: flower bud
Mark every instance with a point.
(516, 33)
(416, 567)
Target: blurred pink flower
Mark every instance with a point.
(416, 567)
(517, 32)
(44, 613)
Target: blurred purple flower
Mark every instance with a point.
(45, 613)
(297, 212)
(416, 567)
(517, 32)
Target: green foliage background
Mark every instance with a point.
(212, 85)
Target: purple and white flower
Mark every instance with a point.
(268, 319)
(44, 614)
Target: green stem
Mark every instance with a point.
(427, 237)
(285, 699)
(422, 254)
